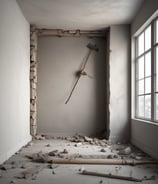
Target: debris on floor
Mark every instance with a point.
(77, 138)
(31, 172)
(103, 150)
(54, 156)
(40, 137)
(125, 151)
(40, 157)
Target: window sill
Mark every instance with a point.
(145, 121)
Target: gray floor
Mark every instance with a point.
(66, 174)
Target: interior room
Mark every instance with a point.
(79, 91)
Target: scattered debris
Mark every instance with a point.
(23, 166)
(125, 151)
(78, 144)
(30, 143)
(85, 172)
(87, 139)
(115, 156)
(17, 152)
(81, 169)
(40, 157)
(101, 181)
(53, 172)
(102, 150)
(48, 136)
(77, 138)
(40, 137)
(149, 178)
(4, 167)
(53, 153)
(111, 156)
(48, 145)
(13, 181)
(138, 158)
(53, 166)
(31, 172)
(13, 163)
(65, 151)
(34, 178)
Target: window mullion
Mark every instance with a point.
(136, 75)
(152, 72)
(144, 73)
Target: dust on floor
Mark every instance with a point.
(23, 167)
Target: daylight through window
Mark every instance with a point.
(147, 73)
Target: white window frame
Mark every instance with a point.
(153, 71)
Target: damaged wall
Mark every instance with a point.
(58, 60)
(143, 134)
(119, 82)
(14, 79)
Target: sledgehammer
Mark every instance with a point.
(82, 72)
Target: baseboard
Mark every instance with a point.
(9, 153)
(146, 148)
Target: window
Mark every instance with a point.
(147, 73)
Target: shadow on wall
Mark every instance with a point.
(101, 90)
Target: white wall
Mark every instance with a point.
(58, 60)
(14, 79)
(119, 83)
(143, 134)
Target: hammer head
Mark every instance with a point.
(92, 47)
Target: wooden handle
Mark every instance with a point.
(102, 161)
(72, 89)
(111, 176)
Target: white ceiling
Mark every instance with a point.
(79, 14)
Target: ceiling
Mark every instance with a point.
(79, 14)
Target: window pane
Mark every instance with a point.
(148, 85)
(148, 106)
(141, 44)
(148, 64)
(141, 106)
(148, 38)
(156, 106)
(156, 31)
(157, 69)
(141, 87)
(141, 67)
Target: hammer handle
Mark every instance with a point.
(73, 89)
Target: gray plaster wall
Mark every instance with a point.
(58, 61)
(143, 134)
(119, 83)
(148, 8)
(14, 79)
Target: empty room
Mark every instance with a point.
(79, 91)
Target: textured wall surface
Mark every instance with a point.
(58, 60)
(119, 83)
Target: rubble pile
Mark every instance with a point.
(77, 138)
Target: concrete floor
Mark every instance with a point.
(66, 174)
